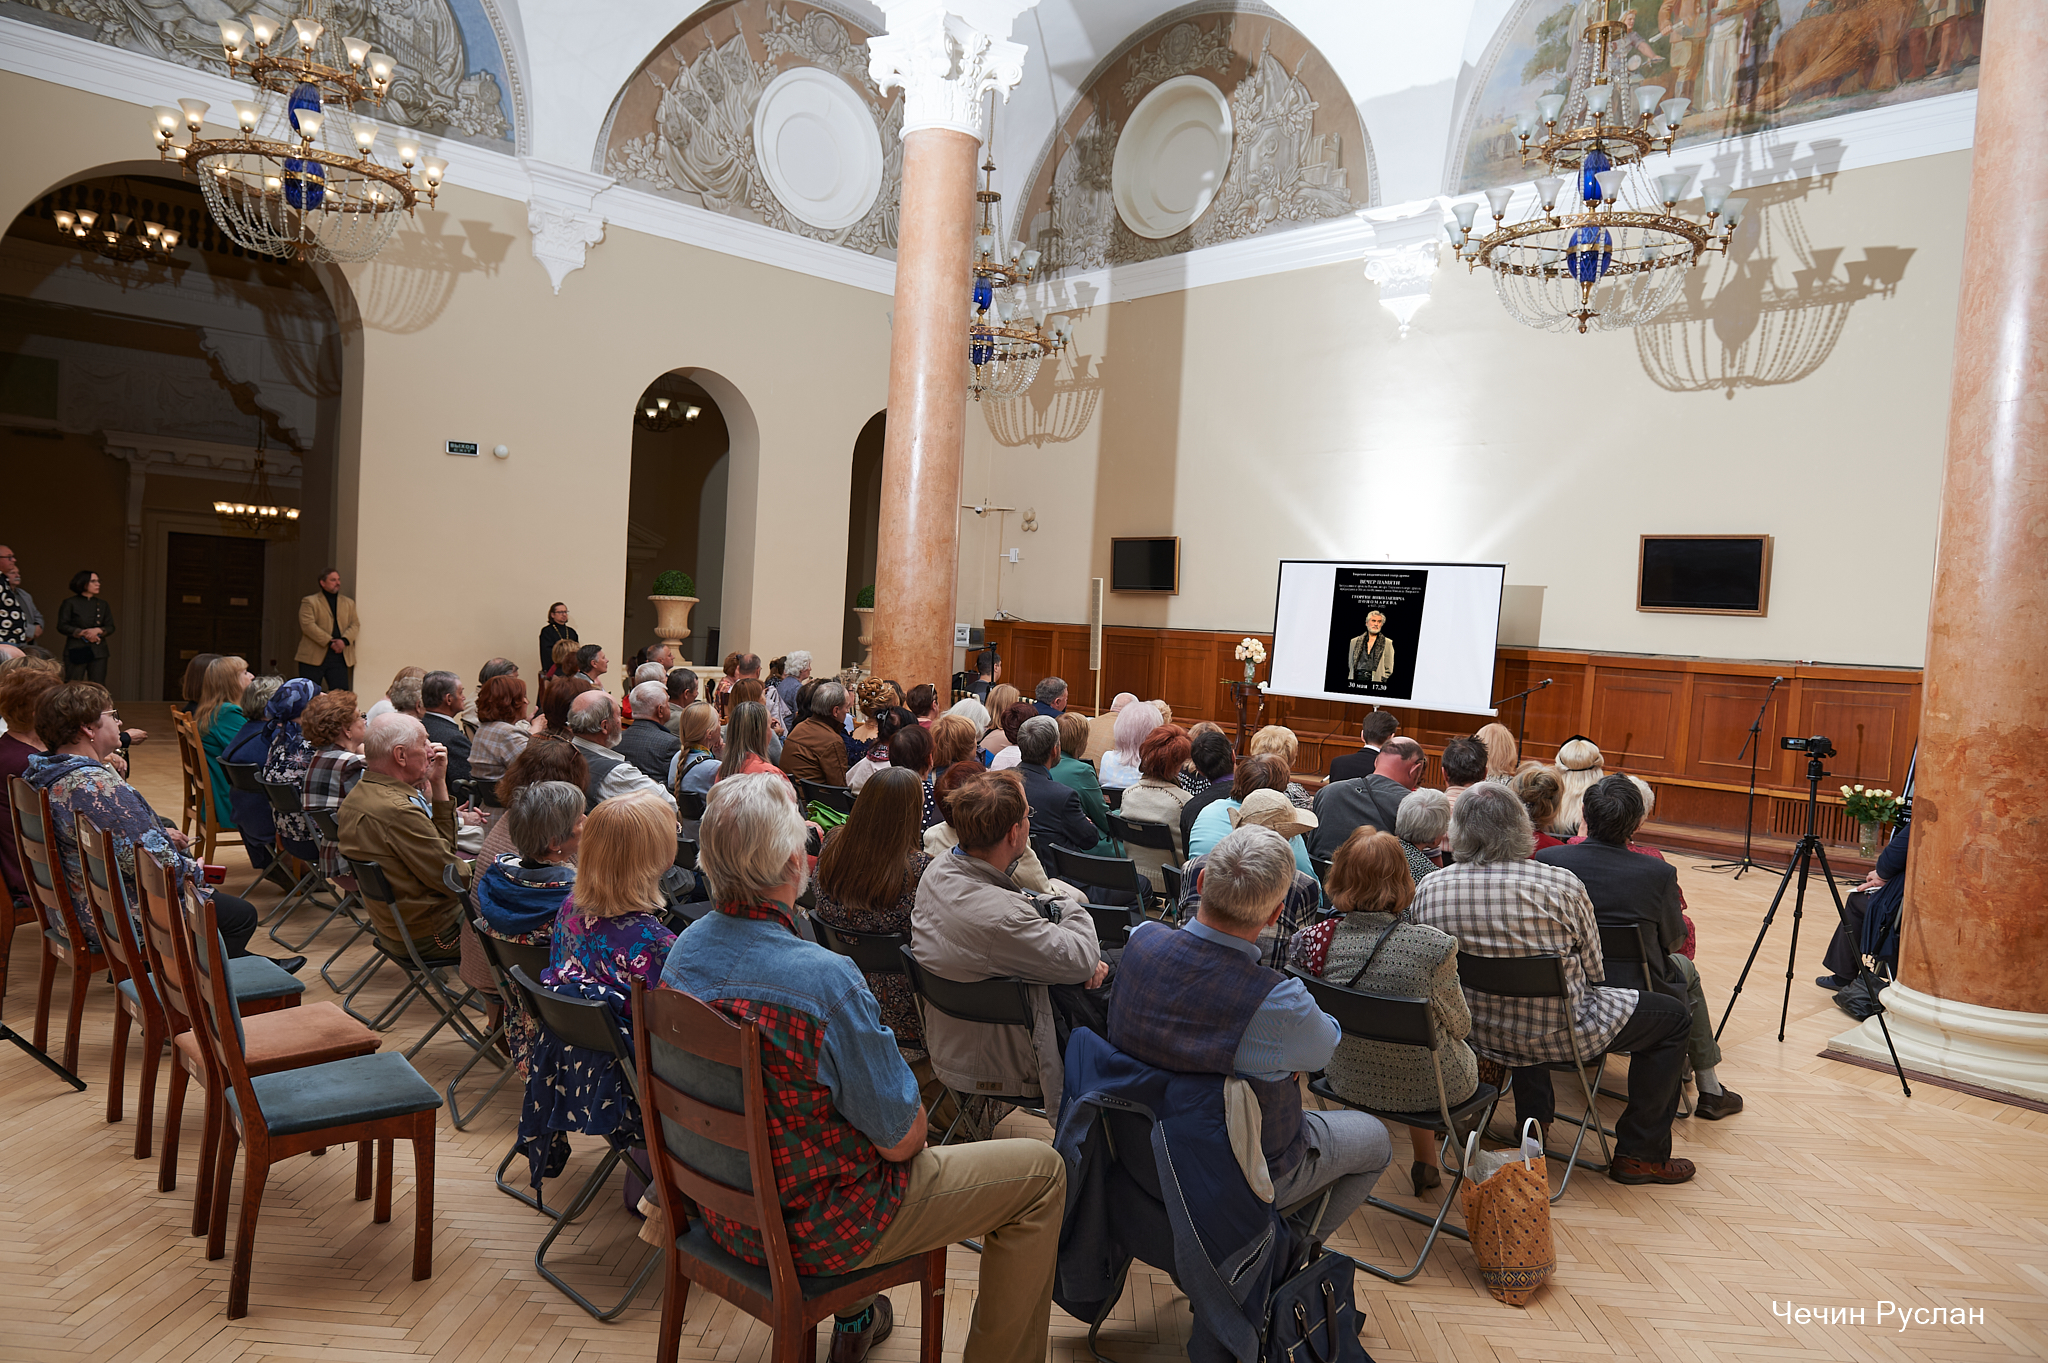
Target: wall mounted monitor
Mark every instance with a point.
(1704, 574)
(1420, 634)
(1145, 565)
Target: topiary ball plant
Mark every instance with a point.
(866, 599)
(675, 582)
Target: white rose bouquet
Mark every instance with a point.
(1868, 804)
(1251, 651)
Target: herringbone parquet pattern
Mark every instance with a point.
(1831, 1190)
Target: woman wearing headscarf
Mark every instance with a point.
(286, 756)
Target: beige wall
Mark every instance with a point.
(452, 559)
(1285, 417)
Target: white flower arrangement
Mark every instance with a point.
(1251, 651)
(1868, 804)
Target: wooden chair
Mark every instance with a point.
(134, 993)
(261, 991)
(371, 1099)
(64, 934)
(207, 831)
(683, 1049)
(191, 769)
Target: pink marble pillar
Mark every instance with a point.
(1978, 876)
(918, 552)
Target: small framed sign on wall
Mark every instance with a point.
(1704, 574)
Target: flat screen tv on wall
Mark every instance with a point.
(1705, 574)
(1145, 565)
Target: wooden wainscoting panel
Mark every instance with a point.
(1188, 681)
(1636, 718)
(1724, 705)
(1868, 729)
(1029, 658)
(1130, 662)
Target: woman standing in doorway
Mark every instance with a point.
(85, 621)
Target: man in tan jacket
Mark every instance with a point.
(410, 835)
(327, 634)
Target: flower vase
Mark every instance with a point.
(1251, 671)
(1868, 842)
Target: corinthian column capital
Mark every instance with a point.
(946, 55)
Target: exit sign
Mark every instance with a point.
(468, 447)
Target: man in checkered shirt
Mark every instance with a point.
(1497, 902)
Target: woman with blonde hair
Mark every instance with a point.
(1279, 740)
(1540, 792)
(221, 722)
(1502, 755)
(1120, 766)
(1374, 947)
(609, 929)
(1579, 768)
(1000, 699)
(953, 738)
(697, 762)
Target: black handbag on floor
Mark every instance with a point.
(1313, 1317)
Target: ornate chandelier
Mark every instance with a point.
(1049, 418)
(1007, 338)
(121, 238)
(276, 187)
(665, 414)
(260, 514)
(1618, 253)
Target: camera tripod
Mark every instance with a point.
(1798, 870)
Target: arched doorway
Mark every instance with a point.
(863, 530)
(676, 509)
(136, 390)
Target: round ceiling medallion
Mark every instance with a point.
(818, 148)
(1171, 157)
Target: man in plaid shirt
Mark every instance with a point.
(1497, 902)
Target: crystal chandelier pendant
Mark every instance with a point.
(1008, 339)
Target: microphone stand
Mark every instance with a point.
(1522, 725)
(1753, 745)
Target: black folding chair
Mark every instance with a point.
(1113, 796)
(496, 1035)
(242, 776)
(832, 797)
(502, 957)
(1139, 833)
(588, 1024)
(313, 887)
(1119, 875)
(351, 905)
(1172, 876)
(1004, 1001)
(1542, 977)
(690, 804)
(423, 976)
(1634, 947)
(1403, 1022)
(875, 953)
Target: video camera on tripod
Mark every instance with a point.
(1818, 748)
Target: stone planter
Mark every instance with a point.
(672, 620)
(867, 631)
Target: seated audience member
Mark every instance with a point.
(1121, 766)
(1102, 728)
(889, 722)
(1157, 797)
(1464, 764)
(555, 699)
(1056, 812)
(594, 728)
(1377, 948)
(1420, 826)
(76, 725)
(1214, 770)
(646, 742)
(923, 703)
(1077, 775)
(1540, 792)
(548, 760)
(518, 893)
(253, 814)
(954, 737)
(940, 838)
(410, 835)
(1051, 697)
(816, 749)
(796, 670)
(695, 765)
(400, 690)
(867, 882)
(502, 732)
(682, 686)
(729, 665)
(1498, 902)
(442, 700)
(1502, 755)
(1199, 1001)
(220, 721)
(334, 729)
(1192, 778)
(1263, 772)
(912, 752)
(1264, 809)
(1377, 727)
(1870, 921)
(286, 756)
(610, 929)
(1279, 740)
(22, 688)
(1627, 889)
(988, 670)
(1373, 800)
(561, 660)
(996, 738)
(193, 689)
(592, 662)
(746, 744)
(974, 922)
(749, 690)
(1579, 764)
(1649, 794)
(1012, 720)
(856, 1185)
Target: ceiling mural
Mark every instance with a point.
(1211, 127)
(454, 78)
(765, 111)
(1746, 65)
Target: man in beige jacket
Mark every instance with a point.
(328, 629)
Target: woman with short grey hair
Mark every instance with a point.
(518, 894)
(1420, 824)
(750, 842)
(1495, 829)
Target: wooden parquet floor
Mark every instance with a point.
(1831, 1190)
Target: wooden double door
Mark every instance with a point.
(213, 602)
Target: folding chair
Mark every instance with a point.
(64, 934)
(1634, 947)
(1113, 796)
(502, 957)
(1000, 1002)
(313, 887)
(590, 1025)
(1403, 1022)
(690, 804)
(423, 979)
(1119, 875)
(875, 953)
(1542, 977)
(242, 776)
(1139, 833)
(706, 1112)
(1172, 876)
(489, 1048)
(832, 797)
(351, 905)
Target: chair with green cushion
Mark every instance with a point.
(373, 1100)
(135, 995)
(64, 936)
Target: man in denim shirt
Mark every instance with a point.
(856, 1184)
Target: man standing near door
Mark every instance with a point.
(327, 634)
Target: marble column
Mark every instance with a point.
(1972, 1000)
(946, 57)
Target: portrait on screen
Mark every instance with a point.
(1375, 621)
